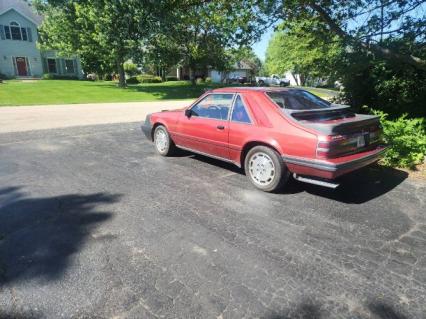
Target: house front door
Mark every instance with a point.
(21, 66)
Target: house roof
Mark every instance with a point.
(242, 65)
(23, 7)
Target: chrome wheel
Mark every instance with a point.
(261, 168)
(161, 140)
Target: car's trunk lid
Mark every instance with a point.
(337, 119)
(340, 131)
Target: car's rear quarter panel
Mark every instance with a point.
(270, 128)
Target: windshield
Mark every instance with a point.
(294, 99)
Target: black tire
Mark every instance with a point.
(166, 147)
(282, 84)
(261, 83)
(272, 181)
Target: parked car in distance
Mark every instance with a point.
(273, 80)
(237, 79)
(272, 133)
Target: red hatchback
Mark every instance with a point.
(271, 133)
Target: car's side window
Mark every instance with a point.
(214, 106)
(239, 112)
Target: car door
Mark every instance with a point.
(206, 130)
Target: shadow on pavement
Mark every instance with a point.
(18, 315)
(38, 235)
(358, 187)
(355, 188)
(378, 310)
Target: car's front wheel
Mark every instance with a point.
(162, 141)
(265, 169)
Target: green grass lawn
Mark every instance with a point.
(38, 92)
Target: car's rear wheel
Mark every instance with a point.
(162, 141)
(265, 169)
(261, 83)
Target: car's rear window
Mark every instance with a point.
(298, 100)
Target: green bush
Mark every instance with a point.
(149, 79)
(172, 78)
(132, 80)
(208, 80)
(130, 68)
(406, 138)
(49, 76)
(199, 81)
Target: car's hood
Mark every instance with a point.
(173, 110)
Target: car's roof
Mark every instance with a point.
(243, 89)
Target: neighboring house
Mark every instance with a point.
(19, 54)
(240, 69)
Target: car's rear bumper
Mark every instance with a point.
(331, 169)
(147, 127)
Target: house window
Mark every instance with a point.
(69, 66)
(15, 30)
(51, 65)
(7, 32)
(24, 34)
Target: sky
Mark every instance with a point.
(260, 47)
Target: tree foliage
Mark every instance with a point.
(363, 23)
(303, 47)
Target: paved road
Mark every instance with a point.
(28, 118)
(93, 224)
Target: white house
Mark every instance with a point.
(19, 54)
(240, 69)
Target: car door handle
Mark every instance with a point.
(221, 127)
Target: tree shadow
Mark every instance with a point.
(19, 315)
(307, 310)
(39, 235)
(384, 311)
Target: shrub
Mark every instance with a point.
(208, 80)
(49, 76)
(132, 80)
(199, 81)
(406, 138)
(171, 78)
(3, 76)
(107, 77)
(130, 68)
(149, 79)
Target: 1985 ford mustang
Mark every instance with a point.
(271, 133)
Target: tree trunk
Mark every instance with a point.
(296, 80)
(192, 75)
(121, 74)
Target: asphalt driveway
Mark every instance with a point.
(94, 224)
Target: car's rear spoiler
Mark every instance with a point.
(312, 119)
(317, 112)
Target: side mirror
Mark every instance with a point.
(188, 113)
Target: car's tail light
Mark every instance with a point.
(332, 146)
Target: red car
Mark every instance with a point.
(271, 133)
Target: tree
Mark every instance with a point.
(363, 23)
(205, 30)
(103, 31)
(294, 47)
